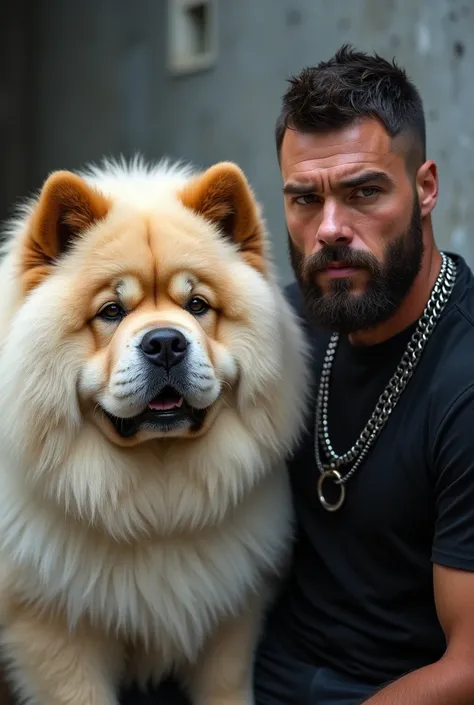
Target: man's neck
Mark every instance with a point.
(411, 308)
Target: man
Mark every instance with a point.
(379, 607)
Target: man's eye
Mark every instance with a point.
(367, 191)
(305, 199)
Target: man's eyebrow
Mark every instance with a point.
(351, 182)
(298, 189)
(364, 178)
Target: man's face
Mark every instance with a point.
(354, 223)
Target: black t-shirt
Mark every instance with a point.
(360, 595)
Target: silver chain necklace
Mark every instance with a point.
(388, 399)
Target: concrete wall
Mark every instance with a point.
(103, 87)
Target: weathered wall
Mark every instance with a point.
(103, 87)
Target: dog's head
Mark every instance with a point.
(146, 306)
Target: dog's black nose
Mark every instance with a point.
(164, 347)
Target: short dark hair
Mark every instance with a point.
(349, 86)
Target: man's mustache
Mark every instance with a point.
(344, 254)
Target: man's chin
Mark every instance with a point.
(344, 312)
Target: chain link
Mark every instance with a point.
(388, 399)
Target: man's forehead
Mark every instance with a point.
(361, 144)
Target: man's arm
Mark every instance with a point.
(449, 681)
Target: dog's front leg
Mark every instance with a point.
(223, 674)
(51, 665)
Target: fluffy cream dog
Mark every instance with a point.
(152, 378)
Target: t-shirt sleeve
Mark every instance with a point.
(453, 465)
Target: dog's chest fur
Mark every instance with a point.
(165, 593)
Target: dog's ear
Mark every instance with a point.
(66, 207)
(223, 196)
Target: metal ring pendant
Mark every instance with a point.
(336, 478)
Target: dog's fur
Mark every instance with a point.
(131, 556)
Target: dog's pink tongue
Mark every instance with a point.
(165, 404)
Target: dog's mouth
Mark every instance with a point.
(168, 411)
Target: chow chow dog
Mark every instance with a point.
(152, 383)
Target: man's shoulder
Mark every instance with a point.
(463, 294)
(456, 328)
(451, 358)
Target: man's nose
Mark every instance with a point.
(334, 229)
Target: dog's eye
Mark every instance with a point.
(197, 306)
(111, 312)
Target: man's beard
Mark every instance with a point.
(339, 310)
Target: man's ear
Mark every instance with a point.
(427, 187)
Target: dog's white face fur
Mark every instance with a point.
(152, 378)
